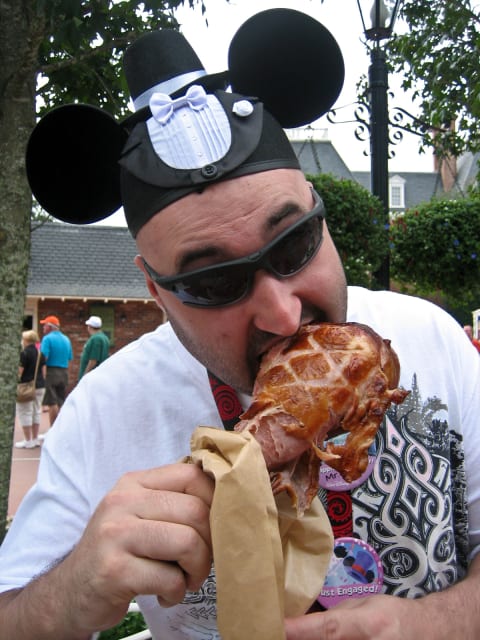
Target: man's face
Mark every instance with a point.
(229, 220)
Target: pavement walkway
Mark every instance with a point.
(24, 467)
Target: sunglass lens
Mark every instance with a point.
(297, 248)
(218, 288)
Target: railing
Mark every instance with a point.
(141, 635)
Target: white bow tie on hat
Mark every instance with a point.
(162, 106)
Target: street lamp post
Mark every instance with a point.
(382, 28)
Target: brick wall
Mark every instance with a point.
(130, 321)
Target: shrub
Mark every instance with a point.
(354, 218)
(436, 247)
(132, 623)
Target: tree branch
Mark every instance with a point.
(119, 42)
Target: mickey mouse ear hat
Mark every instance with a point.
(285, 70)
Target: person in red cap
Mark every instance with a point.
(57, 349)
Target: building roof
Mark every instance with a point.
(84, 261)
(320, 156)
(419, 186)
(317, 154)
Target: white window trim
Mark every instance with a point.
(397, 182)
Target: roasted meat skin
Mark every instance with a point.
(326, 379)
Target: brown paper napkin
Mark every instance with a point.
(268, 562)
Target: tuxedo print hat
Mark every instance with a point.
(189, 128)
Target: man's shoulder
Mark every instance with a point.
(157, 349)
(46, 342)
(362, 300)
(160, 340)
(398, 313)
(100, 339)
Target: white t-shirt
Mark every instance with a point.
(140, 407)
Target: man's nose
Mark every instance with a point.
(276, 308)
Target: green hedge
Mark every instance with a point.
(354, 218)
(435, 248)
(132, 623)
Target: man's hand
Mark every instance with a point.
(149, 535)
(452, 613)
(374, 618)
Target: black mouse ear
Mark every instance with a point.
(290, 61)
(72, 163)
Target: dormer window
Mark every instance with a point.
(397, 192)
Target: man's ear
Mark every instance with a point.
(153, 290)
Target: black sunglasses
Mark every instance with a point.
(229, 282)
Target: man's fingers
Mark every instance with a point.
(181, 478)
(157, 574)
(184, 500)
(158, 506)
(154, 532)
(173, 542)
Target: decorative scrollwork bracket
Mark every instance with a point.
(399, 120)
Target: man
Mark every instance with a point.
(207, 186)
(96, 348)
(57, 349)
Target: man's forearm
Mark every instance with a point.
(458, 608)
(38, 612)
(91, 364)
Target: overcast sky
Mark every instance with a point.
(342, 18)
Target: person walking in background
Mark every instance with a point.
(28, 413)
(96, 349)
(469, 331)
(57, 349)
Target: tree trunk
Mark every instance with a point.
(21, 30)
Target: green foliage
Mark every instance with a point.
(132, 623)
(438, 57)
(354, 218)
(436, 248)
(80, 58)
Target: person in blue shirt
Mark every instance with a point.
(57, 349)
